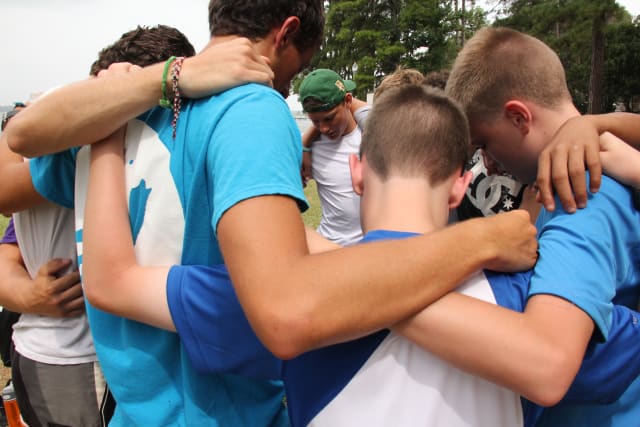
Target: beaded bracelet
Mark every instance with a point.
(177, 100)
(306, 149)
(164, 101)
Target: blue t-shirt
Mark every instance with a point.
(592, 258)
(607, 369)
(240, 144)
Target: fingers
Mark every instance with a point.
(118, 68)
(543, 182)
(54, 267)
(575, 194)
(516, 241)
(68, 296)
(73, 307)
(594, 165)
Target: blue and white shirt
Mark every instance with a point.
(178, 190)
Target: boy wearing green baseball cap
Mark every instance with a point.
(326, 98)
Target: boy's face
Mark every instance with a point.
(507, 146)
(334, 122)
(292, 62)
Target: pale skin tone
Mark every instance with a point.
(294, 301)
(576, 146)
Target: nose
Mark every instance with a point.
(325, 128)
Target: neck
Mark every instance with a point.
(403, 204)
(351, 126)
(259, 45)
(555, 118)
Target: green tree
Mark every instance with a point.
(622, 63)
(367, 39)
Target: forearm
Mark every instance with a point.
(14, 278)
(307, 302)
(520, 351)
(83, 112)
(18, 192)
(625, 126)
(113, 280)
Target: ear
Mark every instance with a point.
(348, 99)
(287, 30)
(459, 188)
(355, 165)
(519, 114)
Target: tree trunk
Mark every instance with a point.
(596, 81)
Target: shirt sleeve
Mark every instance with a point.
(212, 326)
(9, 234)
(256, 152)
(361, 115)
(609, 367)
(53, 176)
(583, 256)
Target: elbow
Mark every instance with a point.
(285, 332)
(553, 379)
(92, 293)
(17, 137)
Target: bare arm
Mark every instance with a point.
(536, 353)
(46, 294)
(55, 122)
(574, 147)
(296, 302)
(113, 280)
(17, 191)
(620, 160)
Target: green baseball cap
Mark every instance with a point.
(327, 87)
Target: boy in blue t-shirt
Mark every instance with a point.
(513, 89)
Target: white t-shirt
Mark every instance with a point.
(43, 233)
(340, 220)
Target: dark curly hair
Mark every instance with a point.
(144, 46)
(254, 19)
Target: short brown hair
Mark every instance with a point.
(400, 76)
(498, 64)
(254, 19)
(415, 130)
(144, 46)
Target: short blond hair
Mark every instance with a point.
(399, 77)
(499, 64)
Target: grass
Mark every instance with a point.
(3, 223)
(312, 216)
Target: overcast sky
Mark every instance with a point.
(51, 42)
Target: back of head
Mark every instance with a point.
(144, 46)
(254, 19)
(415, 130)
(499, 64)
(401, 76)
(437, 79)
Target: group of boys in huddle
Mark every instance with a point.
(196, 230)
